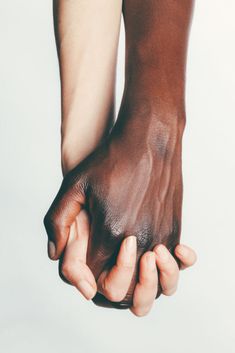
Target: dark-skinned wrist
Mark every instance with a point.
(144, 114)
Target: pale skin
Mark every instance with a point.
(87, 48)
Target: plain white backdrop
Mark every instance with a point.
(40, 313)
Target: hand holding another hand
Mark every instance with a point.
(114, 283)
(129, 196)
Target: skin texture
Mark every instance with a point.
(132, 184)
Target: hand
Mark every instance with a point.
(131, 185)
(114, 284)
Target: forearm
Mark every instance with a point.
(156, 44)
(86, 36)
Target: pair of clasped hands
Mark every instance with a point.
(115, 222)
(114, 225)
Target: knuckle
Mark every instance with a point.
(47, 220)
(53, 222)
(113, 239)
(170, 268)
(169, 292)
(113, 224)
(145, 237)
(66, 269)
(114, 231)
(171, 271)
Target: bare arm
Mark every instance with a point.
(156, 44)
(87, 35)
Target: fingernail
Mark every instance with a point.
(86, 289)
(151, 261)
(182, 251)
(130, 244)
(162, 252)
(51, 249)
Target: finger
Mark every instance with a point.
(60, 217)
(146, 289)
(74, 267)
(168, 269)
(114, 284)
(186, 255)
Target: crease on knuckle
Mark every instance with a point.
(169, 292)
(114, 228)
(169, 267)
(144, 237)
(53, 221)
(66, 269)
(170, 270)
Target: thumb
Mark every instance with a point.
(61, 215)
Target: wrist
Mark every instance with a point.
(141, 117)
(153, 95)
(155, 89)
(67, 161)
(71, 155)
(158, 132)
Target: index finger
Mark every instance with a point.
(74, 269)
(114, 284)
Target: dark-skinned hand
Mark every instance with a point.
(130, 186)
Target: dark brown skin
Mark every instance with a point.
(132, 183)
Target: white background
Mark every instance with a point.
(38, 312)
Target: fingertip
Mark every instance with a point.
(127, 252)
(51, 250)
(140, 312)
(130, 243)
(147, 286)
(187, 255)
